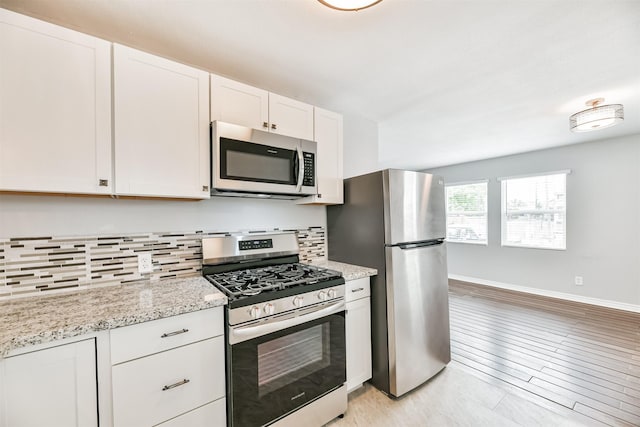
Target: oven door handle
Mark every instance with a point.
(300, 169)
(237, 335)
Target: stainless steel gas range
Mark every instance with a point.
(286, 354)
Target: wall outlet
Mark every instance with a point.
(145, 265)
(578, 281)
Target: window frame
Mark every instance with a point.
(503, 211)
(486, 211)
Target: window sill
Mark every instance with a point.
(511, 245)
(468, 242)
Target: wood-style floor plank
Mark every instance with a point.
(584, 357)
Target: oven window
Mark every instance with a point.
(287, 359)
(256, 166)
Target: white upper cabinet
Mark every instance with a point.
(55, 108)
(161, 126)
(238, 103)
(290, 117)
(328, 134)
(245, 105)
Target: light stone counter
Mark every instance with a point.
(349, 271)
(38, 320)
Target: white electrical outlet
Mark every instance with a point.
(145, 265)
(578, 281)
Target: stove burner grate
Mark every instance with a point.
(253, 281)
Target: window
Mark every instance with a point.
(534, 211)
(467, 212)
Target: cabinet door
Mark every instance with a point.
(161, 126)
(238, 103)
(358, 333)
(55, 108)
(290, 117)
(328, 135)
(52, 387)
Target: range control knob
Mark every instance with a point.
(322, 295)
(254, 312)
(297, 301)
(268, 309)
(331, 293)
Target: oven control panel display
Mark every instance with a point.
(246, 245)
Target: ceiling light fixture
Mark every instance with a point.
(597, 117)
(349, 5)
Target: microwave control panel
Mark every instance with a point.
(308, 180)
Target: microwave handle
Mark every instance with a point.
(300, 169)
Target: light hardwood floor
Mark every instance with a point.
(521, 360)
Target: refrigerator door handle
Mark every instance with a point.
(420, 244)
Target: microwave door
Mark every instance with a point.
(252, 167)
(248, 161)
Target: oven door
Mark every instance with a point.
(282, 370)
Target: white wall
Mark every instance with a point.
(360, 146)
(603, 223)
(25, 216)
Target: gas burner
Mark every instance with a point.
(253, 281)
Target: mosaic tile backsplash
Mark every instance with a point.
(29, 266)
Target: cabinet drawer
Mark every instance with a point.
(156, 388)
(152, 337)
(357, 289)
(213, 414)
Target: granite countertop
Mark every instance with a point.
(38, 320)
(349, 271)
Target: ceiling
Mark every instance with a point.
(446, 81)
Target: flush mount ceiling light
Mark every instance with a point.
(349, 5)
(597, 117)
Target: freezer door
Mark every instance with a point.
(417, 315)
(414, 206)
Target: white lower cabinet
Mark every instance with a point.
(358, 332)
(170, 371)
(51, 387)
(147, 338)
(213, 414)
(155, 388)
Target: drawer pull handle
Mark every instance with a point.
(357, 290)
(178, 384)
(170, 334)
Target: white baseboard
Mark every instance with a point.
(553, 294)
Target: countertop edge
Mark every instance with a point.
(349, 271)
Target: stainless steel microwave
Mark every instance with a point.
(249, 162)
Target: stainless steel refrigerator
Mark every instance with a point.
(394, 221)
